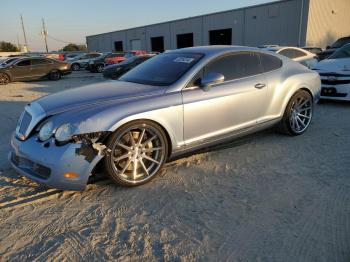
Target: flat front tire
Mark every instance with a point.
(298, 114)
(138, 152)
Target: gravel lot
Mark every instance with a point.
(268, 197)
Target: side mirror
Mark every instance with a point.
(328, 47)
(211, 79)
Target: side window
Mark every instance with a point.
(24, 63)
(236, 66)
(270, 62)
(298, 53)
(41, 62)
(287, 53)
(292, 53)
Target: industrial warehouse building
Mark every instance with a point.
(286, 22)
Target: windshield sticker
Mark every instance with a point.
(186, 60)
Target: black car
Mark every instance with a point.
(117, 70)
(331, 49)
(97, 64)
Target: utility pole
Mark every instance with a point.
(45, 35)
(18, 44)
(24, 35)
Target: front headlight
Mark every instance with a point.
(64, 133)
(46, 131)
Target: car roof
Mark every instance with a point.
(213, 49)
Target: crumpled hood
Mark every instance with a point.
(340, 66)
(95, 94)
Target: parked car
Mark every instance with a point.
(72, 55)
(97, 64)
(335, 75)
(297, 54)
(312, 49)
(32, 68)
(118, 59)
(172, 104)
(117, 70)
(55, 55)
(331, 49)
(81, 61)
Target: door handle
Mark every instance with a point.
(260, 86)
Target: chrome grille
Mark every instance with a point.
(31, 116)
(24, 123)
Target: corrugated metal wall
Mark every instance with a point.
(274, 23)
(328, 20)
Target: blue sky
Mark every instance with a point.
(72, 20)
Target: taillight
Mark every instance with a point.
(61, 57)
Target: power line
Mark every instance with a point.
(62, 41)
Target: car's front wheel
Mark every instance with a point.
(75, 67)
(55, 75)
(4, 79)
(138, 152)
(99, 68)
(298, 114)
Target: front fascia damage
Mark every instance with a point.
(91, 144)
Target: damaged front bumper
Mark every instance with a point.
(47, 163)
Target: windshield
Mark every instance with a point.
(340, 42)
(162, 70)
(8, 61)
(343, 52)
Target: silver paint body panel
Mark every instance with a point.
(192, 117)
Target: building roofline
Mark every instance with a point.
(192, 17)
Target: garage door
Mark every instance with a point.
(135, 44)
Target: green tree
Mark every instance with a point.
(74, 47)
(8, 47)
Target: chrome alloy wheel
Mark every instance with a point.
(301, 114)
(138, 153)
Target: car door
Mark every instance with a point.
(235, 104)
(41, 67)
(22, 70)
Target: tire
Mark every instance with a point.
(298, 114)
(55, 75)
(75, 67)
(99, 68)
(139, 150)
(4, 79)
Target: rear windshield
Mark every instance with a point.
(343, 52)
(340, 42)
(162, 70)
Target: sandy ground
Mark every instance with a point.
(267, 197)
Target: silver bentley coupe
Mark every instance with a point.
(176, 102)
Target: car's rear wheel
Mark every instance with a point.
(75, 67)
(4, 79)
(99, 68)
(55, 75)
(138, 152)
(298, 114)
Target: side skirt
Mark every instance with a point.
(221, 139)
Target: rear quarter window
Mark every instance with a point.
(270, 62)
